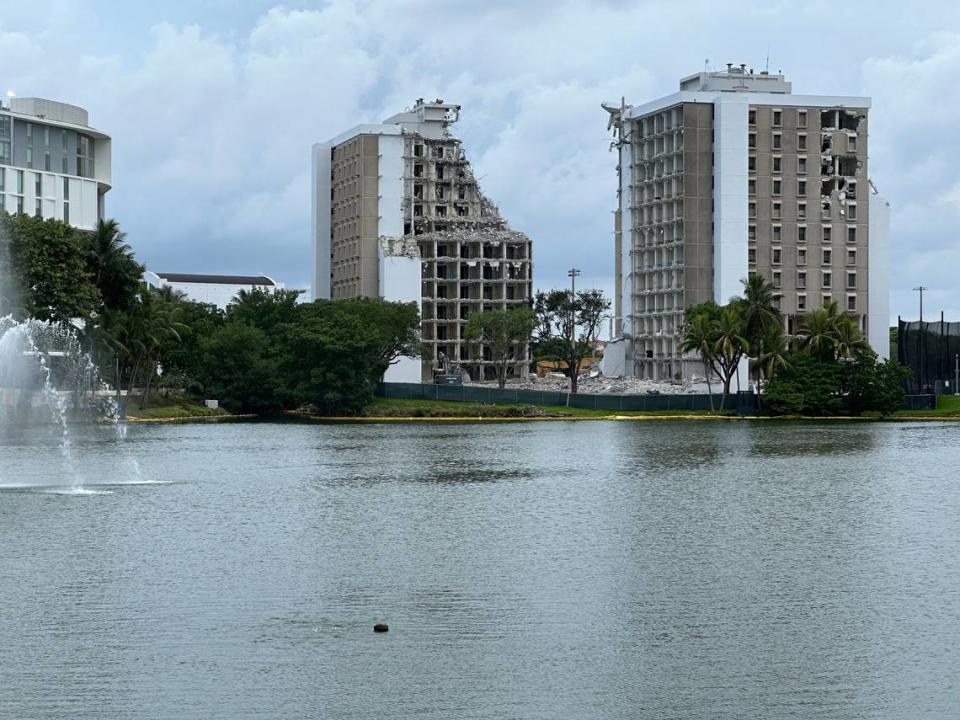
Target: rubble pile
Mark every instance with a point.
(600, 385)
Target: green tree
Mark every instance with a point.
(872, 385)
(724, 330)
(699, 336)
(505, 332)
(110, 260)
(572, 321)
(808, 385)
(240, 370)
(49, 269)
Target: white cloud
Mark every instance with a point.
(213, 118)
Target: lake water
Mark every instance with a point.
(542, 570)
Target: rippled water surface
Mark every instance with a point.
(544, 570)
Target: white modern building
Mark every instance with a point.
(52, 163)
(398, 214)
(219, 290)
(735, 175)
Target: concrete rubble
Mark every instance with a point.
(600, 385)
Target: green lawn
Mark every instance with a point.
(947, 406)
(161, 408)
(394, 408)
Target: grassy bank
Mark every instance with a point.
(947, 406)
(173, 408)
(394, 408)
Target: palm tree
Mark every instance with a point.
(729, 345)
(774, 354)
(848, 340)
(817, 331)
(759, 314)
(699, 336)
(106, 248)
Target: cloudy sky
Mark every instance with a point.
(213, 106)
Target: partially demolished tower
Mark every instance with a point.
(734, 175)
(405, 189)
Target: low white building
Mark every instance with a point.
(219, 290)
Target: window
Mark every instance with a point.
(827, 299)
(801, 301)
(752, 186)
(38, 208)
(777, 163)
(752, 163)
(851, 143)
(778, 187)
(851, 234)
(777, 141)
(801, 256)
(5, 152)
(775, 255)
(19, 182)
(851, 280)
(827, 279)
(64, 165)
(827, 233)
(851, 302)
(5, 126)
(46, 161)
(851, 211)
(777, 232)
(802, 165)
(752, 256)
(29, 157)
(752, 208)
(29, 133)
(46, 136)
(66, 189)
(801, 118)
(752, 232)
(63, 135)
(777, 282)
(801, 233)
(802, 279)
(801, 187)
(827, 256)
(851, 190)
(66, 212)
(19, 204)
(777, 118)
(851, 256)
(752, 116)
(801, 141)
(777, 211)
(752, 140)
(801, 211)
(38, 186)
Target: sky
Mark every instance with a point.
(213, 106)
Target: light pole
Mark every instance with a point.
(923, 339)
(572, 274)
(956, 375)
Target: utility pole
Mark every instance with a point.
(572, 274)
(923, 339)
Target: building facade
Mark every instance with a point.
(383, 194)
(219, 290)
(735, 175)
(52, 163)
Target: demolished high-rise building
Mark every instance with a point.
(733, 176)
(400, 197)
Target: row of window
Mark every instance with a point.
(826, 279)
(847, 210)
(776, 142)
(777, 117)
(826, 234)
(826, 256)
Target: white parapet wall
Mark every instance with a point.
(878, 289)
(399, 274)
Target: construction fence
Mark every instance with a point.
(932, 352)
(743, 402)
